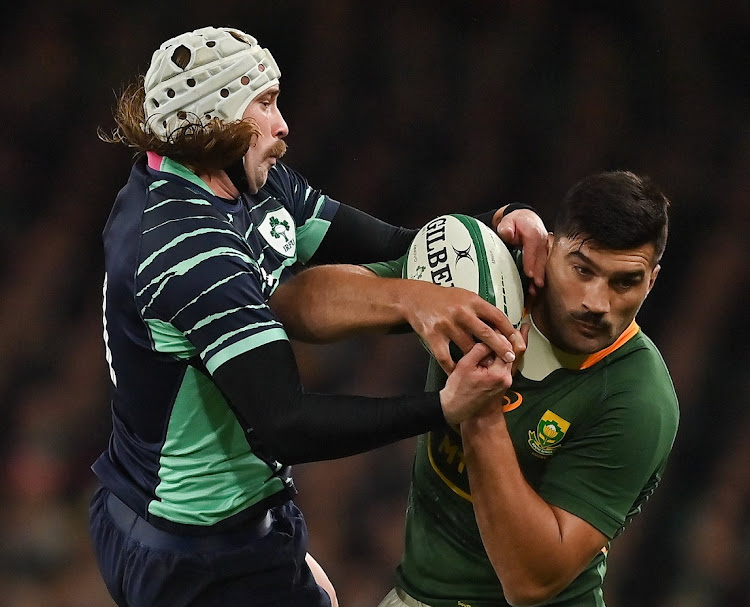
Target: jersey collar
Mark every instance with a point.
(542, 358)
(167, 165)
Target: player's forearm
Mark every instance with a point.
(305, 427)
(332, 302)
(522, 535)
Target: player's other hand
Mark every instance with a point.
(479, 379)
(524, 229)
(442, 316)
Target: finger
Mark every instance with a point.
(462, 340)
(462, 343)
(488, 360)
(500, 345)
(525, 337)
(508, 354)
(540, 263)
(525, 328)
(512, 336)
(493, 318)
(518, 343)
(506, 232)
(476, 355)
(441, 353)
(486, 323)
(500, 373)
(534, 258)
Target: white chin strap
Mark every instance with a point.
(208, 73)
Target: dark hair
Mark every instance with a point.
(616, 209)
(201, 147)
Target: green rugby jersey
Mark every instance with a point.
(592, 436)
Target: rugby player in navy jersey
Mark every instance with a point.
(196, 503)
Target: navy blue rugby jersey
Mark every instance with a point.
(187, 282)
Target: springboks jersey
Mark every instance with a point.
(591, 434)
(188, 277)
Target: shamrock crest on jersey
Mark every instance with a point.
(278, 230)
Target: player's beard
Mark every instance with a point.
(559, 326)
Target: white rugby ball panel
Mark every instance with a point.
(503, 274)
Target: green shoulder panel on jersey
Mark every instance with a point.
(166, 338)
(311, 233)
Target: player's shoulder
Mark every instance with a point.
(641, 352)
(175, 193)
(639, 371)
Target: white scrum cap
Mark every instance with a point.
(208, 73)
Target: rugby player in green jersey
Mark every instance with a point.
(518, 505)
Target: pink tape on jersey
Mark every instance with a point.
(154, 160)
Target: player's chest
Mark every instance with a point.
(270, 234)
(540, 419)
(542, 416)
(268, 228)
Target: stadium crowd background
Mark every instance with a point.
(408, 110)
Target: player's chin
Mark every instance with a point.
(586, 341)
(258, 179)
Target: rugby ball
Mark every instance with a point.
(460, 251)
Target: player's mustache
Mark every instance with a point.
(590, 318)
(277, 150)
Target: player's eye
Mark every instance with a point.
(626, 283)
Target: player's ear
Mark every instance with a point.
(652, 279)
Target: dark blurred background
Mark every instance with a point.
(407, 110)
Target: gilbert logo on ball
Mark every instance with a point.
(460, 251)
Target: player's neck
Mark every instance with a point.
(220, 183)
(542, 357)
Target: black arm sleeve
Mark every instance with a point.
(285, 423)
(486, 218)
(356, 237)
